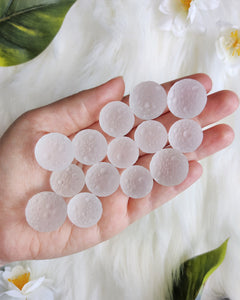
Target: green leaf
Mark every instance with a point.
(195, 271)
(28, 26)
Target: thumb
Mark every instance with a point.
(78, 111)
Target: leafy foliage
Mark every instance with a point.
(195, 271)
(27, 27)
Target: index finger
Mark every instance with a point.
(203, 78)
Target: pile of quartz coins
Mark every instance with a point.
(47, 210)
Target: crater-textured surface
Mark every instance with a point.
(54, 151)
(185, 135)
(122, 152)
(148, 100)
(68, 182)
(136, 182)
(102, 179)
(84, 210)
(187, 98)
(116, 119)
(46, 211)
(90, 146)
(151, 136)
(169, 167)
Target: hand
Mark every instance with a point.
(21, 177)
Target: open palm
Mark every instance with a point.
(21, 177)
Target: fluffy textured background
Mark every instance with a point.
(103, 39)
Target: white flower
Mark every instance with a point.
(181, 15)
(15, 283)
(228, 47)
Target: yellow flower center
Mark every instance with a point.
(233, 44)
(186, 4)
(20, 280)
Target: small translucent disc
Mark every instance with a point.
(151, 136)
(185, 135)
(90, 146)
(116, 119)
(169, 167)
(46, 211)
(148, 100)
(102, 179)
(84, 210)
(54, 151)
(187, 98)
(68, 182)
(136, 182)
(122, 152)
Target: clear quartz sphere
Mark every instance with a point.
(116, 119)
(122, 152)
(46, 211)
(151, 136)
(187, 98)
(54, 151)
(84, 210)
(68, 182)
(148, 100)
(169, 167)
(136, 182)
(90, 146)
(102, 179)
(185, 135)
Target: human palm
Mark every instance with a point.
(21, 177)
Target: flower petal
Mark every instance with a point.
(208, 4)
(32, 285)
(18, 270)
(14, 294)
(6, 273)
(192, 13)
(3, 284)
(171, 7)
(166, 7)
(165, 23)
(180, 25)
(41, 293)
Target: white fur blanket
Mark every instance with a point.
(103, 39)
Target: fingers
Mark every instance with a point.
(82, 110)
(204, 79)
(121, 213)
(159, 195)
(79, 111)
(219, 105)
(214, 140)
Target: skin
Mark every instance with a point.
(21, 177)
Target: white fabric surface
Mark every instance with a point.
(103, 39)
